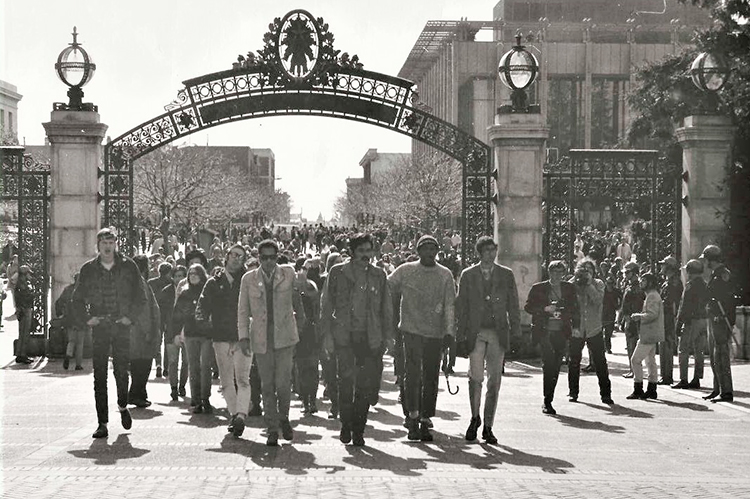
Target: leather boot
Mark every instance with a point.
(471, 432)
(650, 391)
(637, 391)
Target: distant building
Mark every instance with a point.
(9, 99)
(587, 49)
(374, 165)
(257, 164)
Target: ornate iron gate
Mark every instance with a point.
(26, 181)
(321, 82)
(624, 181)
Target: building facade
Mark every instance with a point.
(588, 51)
(9, 99)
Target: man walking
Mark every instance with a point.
(108, 295)
(632, 303)
(671, 292)
(267, 327)
(217, 307)
(721, 318)
(488, 315)
(425, 292)
(356, 322)
(692, 316)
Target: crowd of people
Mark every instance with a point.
(274, 317)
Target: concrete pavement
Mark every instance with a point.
(678, 446)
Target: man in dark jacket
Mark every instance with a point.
(356, 322)
(488, 315)
(217, 306)
(671, 292)
(108, 296)
(157, 284)
(145, 338)
(721, 311)
(692, 317)
(553, 306)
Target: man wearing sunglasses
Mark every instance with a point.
(267, 327)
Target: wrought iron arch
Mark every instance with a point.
(267, 84)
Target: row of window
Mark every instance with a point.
(9, 125)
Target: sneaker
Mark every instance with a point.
(239, 426)
(273, 439)
(126, 419)
(424, 433)
(286, 429)
(412, 425)
(66, 362)
(101, 431)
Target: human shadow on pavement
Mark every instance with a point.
(588, 425)
(204, 421)
(285, 456)
(105, 454)
(370, 458)
(145, 413)
(684, 405)
(620, 410)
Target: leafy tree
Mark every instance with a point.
(665, 94)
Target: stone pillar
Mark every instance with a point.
(518, 142)
(76, 157)
(706, 155)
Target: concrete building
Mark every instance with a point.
(587, 50)
(9, 99)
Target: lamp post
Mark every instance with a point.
(709, 73)
(75, 68)
(518, 69)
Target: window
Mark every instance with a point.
(607, 111)
(10, 121)
(565, 114)
(2, 118)
(263, 167)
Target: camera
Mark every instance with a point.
(581, 279)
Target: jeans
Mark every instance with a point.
(693, 340)
(648, 352)
(173, 356)
(140, 369)
(489, 355)
(234, 373)
(719, 356)
(199, 352)
(553, 349)
(359, 382)
(598, 359)
(117, 338)
(76, 340)
(422, 361)
(275, 368)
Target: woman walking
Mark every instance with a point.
(651, 333)
(197, 340)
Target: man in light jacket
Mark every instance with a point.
(267, 327)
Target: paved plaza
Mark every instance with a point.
(678, 446)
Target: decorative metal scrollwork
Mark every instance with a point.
(622, 178)
(299, 72)
(26, 181)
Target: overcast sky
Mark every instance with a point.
(145, 49)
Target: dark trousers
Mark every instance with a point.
(330, 376)
(140, 369)
(608, 328)
(359, 382)
(117, 338)
(666, 354)
(306, 371)
(598, 359)
(553, 349)
(399, 368)
(255, 389)
(422, 357)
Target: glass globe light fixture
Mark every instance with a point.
(517, 69)
(75, 68)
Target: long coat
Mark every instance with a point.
(471, 300)
(252, 315)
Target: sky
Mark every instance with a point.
(145, 49)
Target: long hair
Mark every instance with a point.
(201, 271)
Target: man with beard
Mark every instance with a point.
(217, 307)
(425, 292)
(356, 323)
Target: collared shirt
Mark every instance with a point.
(360, 299)
(108, 289)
